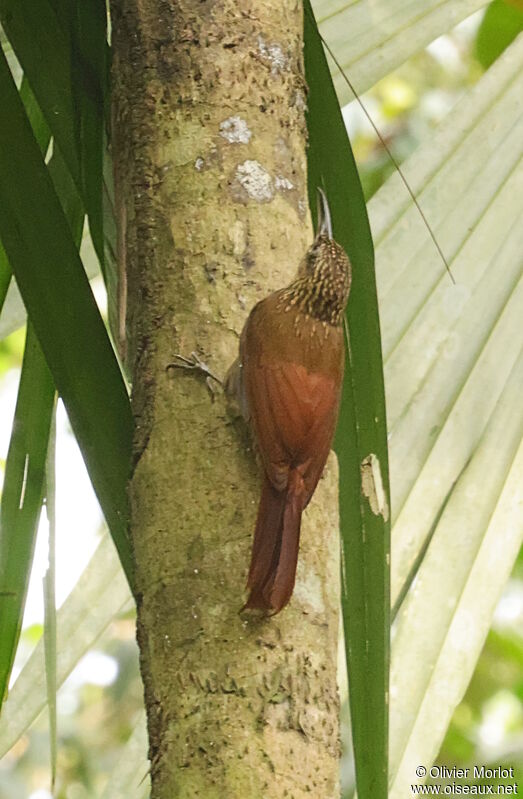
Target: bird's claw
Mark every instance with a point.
(195, 363)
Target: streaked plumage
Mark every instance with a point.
(288, 381)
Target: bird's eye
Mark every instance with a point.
(311, 256)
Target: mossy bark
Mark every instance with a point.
(209, 149)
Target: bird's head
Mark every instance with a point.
(326, 268)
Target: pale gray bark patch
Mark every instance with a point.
(274, 54)
(235, 130)
(282, 183)
(300, 101)
(256, 181)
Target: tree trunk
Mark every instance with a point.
(210, 170)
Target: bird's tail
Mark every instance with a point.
(275, 549)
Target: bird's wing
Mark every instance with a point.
(290, 382)
(293, 413)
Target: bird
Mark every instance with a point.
(287, 381)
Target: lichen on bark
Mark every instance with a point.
(210, 172)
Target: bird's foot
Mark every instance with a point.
(195, 364)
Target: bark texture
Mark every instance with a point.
(209, 151)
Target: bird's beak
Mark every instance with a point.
(324, 215)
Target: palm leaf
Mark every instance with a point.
(50, 594)
(13, 315)
(130, 776)
(19, 529)
(453, 364)
(64, 313)
(42, 136)
(431, 335)
(100, 594)
(445, 618)
(5, 276)
(22, 497)
(372, 37)
(69, 84)
(502, 22)
(361, 439)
